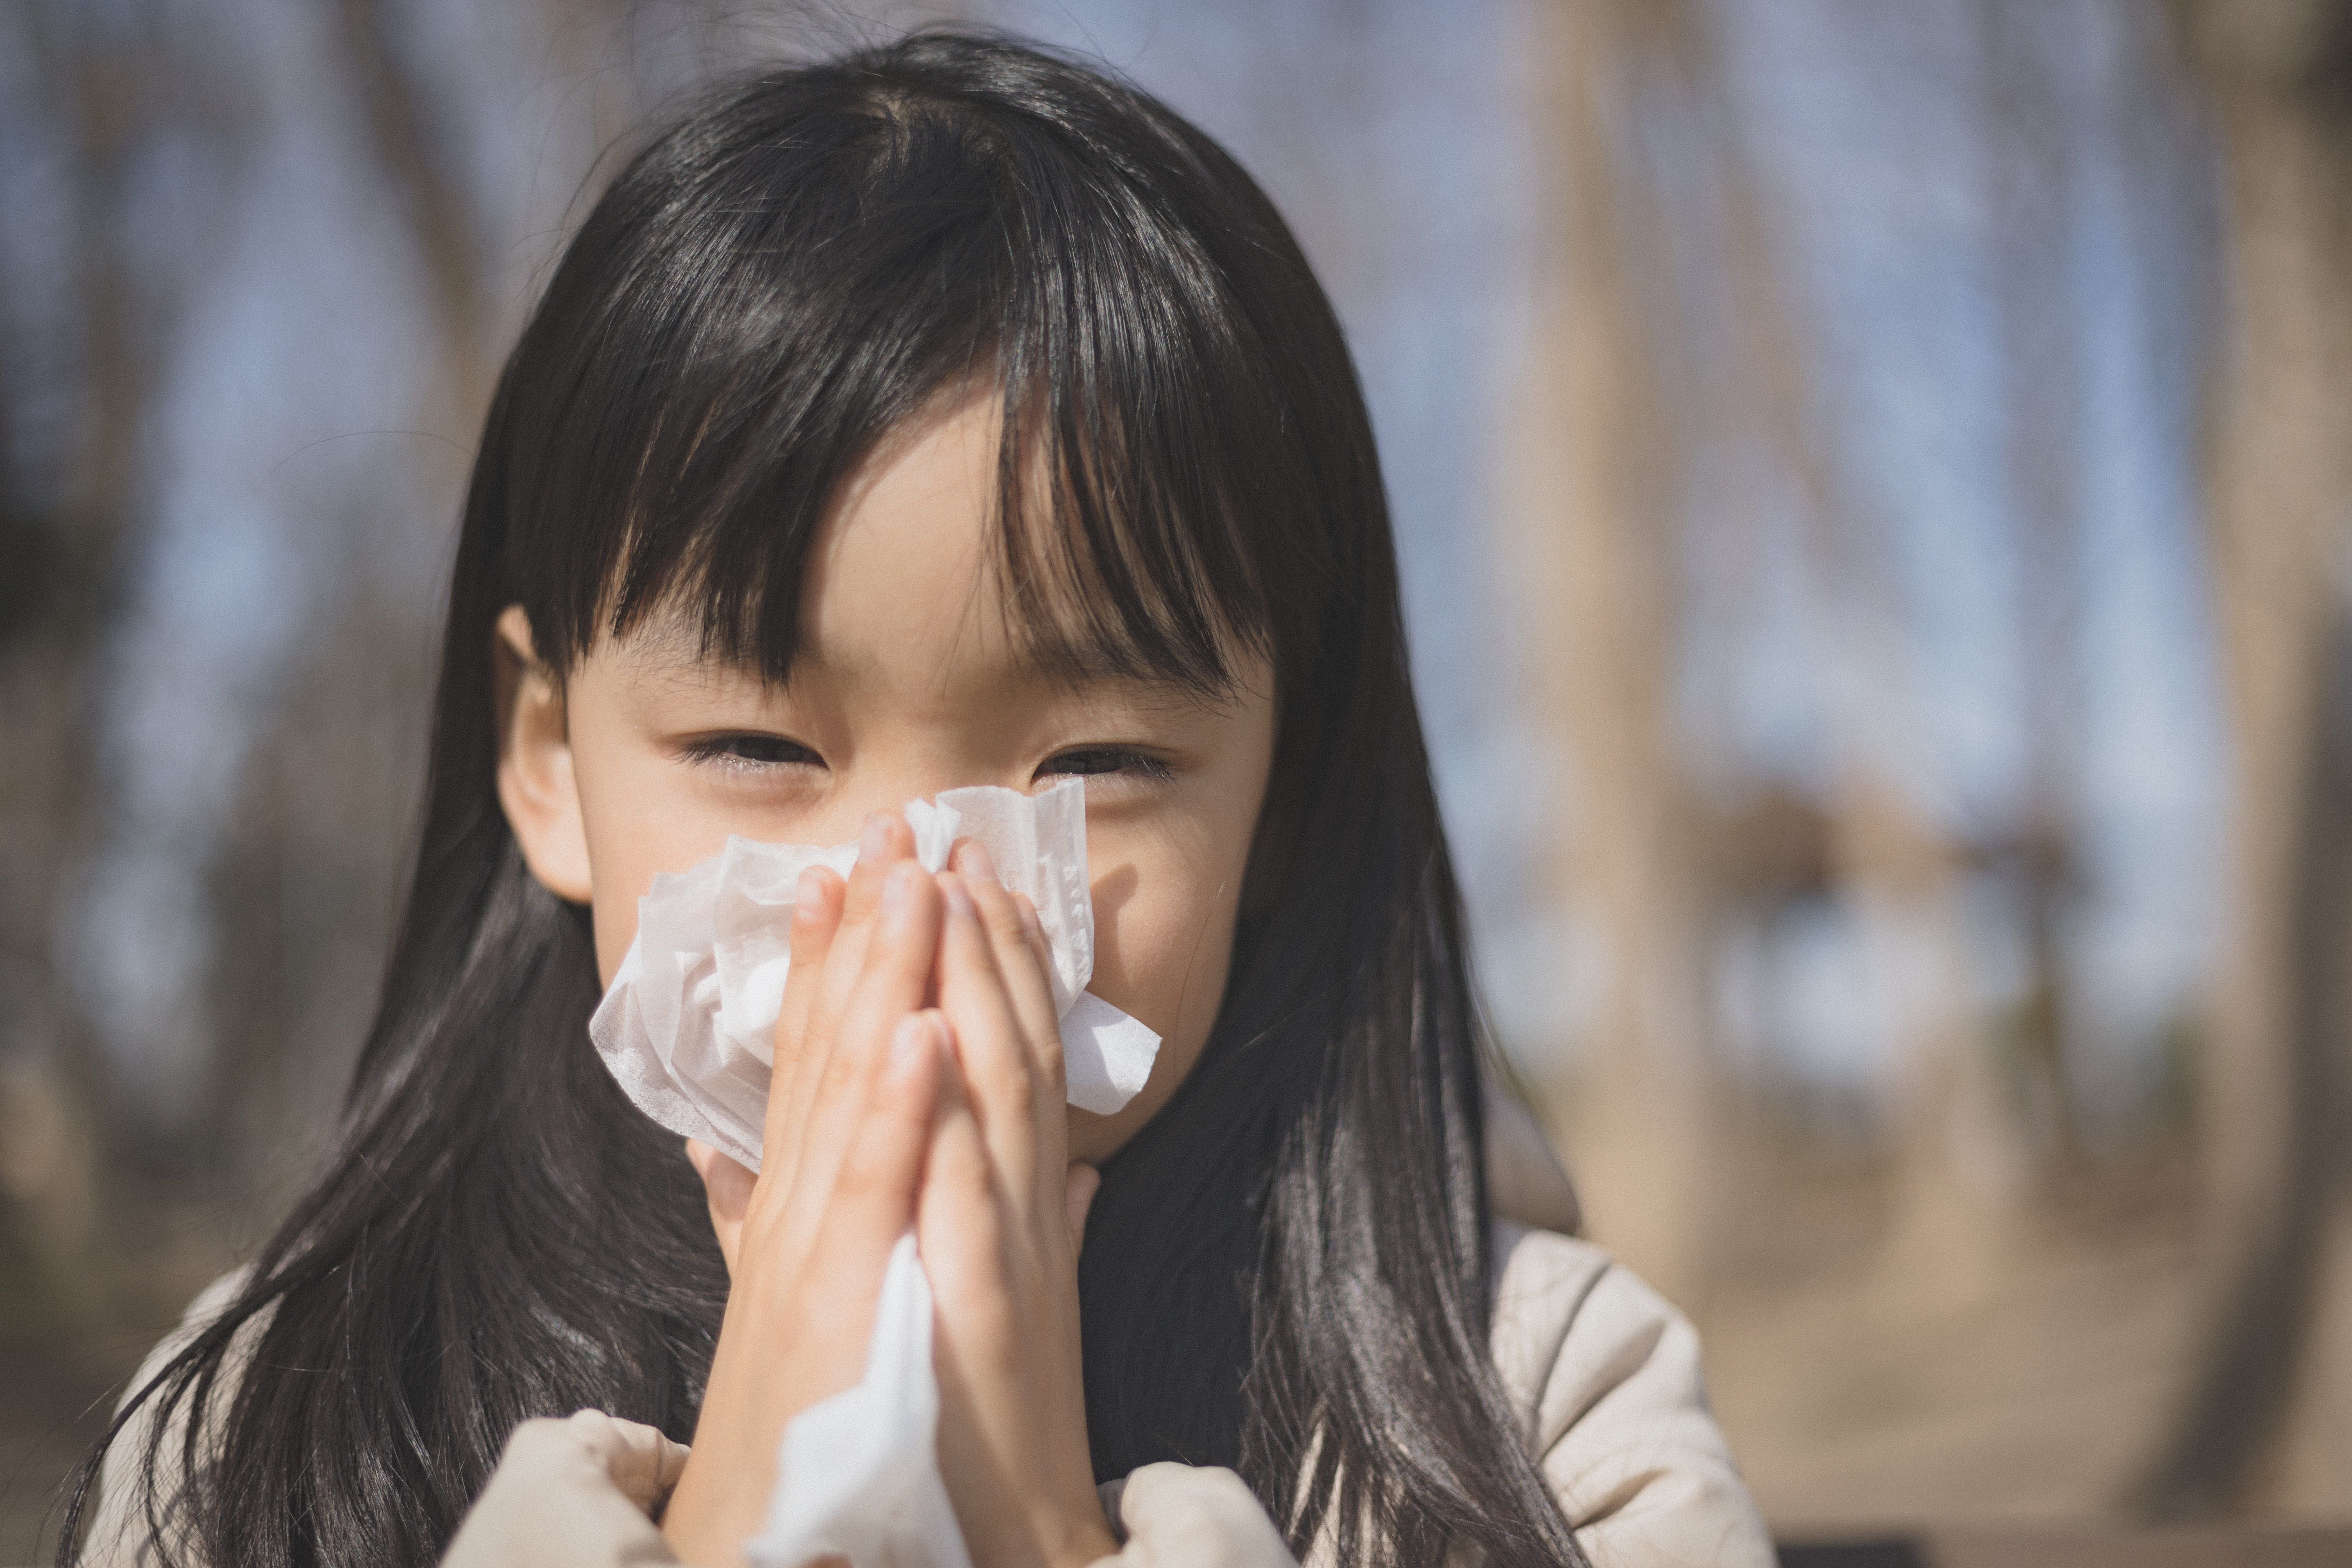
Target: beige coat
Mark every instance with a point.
(1604, 1374)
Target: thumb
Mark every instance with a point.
(1078, 1189)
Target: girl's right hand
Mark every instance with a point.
(855, 1087)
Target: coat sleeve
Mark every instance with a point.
(1606, 1376)
(1183, 1516)
(573, 1493)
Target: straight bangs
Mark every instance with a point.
(754, 311)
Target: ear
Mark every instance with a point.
(535, 783)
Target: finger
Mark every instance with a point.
(1033, 929)
(886, 841)
(874, 1196)
(1080, 1185)
(882, 1166)
(895, 974)
(960, 1223)
(1022, 957)
(999, 1062)
(883, 841)
(727, 1186)
(817, 917)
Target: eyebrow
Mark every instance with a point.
(676, 646)
(1084, 660)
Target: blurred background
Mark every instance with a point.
(1874, 487)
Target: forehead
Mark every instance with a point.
(901, 573)
(901, 588)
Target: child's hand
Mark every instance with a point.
(856, 1086)
(999, 1222)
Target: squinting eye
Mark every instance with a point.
(1092, 762)
(751, 751)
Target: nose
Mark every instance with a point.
(887, 786)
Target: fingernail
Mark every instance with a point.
(976, 862)
(808, 891)
(874, 838)
(1029, 918)
(897, 886)
(959, 896)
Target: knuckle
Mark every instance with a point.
(1002, 916)
(812, 1061)
(840, 1076)
(1013, 1072)
(809, 931)
(869, 1173)
(857, 1177)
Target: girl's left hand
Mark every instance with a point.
(998, 1223)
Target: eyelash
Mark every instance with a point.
(727, 751)
(1086, 762)
(1122, 759)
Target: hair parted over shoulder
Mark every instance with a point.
(1287, 1270)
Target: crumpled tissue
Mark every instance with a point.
(688, 1024)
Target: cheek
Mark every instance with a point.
(1163, 946)
(618, 875)
(1163, 940)
(636, 829)
(615, 919)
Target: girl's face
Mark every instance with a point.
(909, 681)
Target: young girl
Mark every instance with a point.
(944, 415)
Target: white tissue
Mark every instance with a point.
(688, 1026)
(858, 1474)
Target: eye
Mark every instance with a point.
(751, 751)
(1094, 762)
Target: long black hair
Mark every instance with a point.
(1288, 1270)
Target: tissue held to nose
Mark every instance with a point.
(688, 1026)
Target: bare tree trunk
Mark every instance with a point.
(2275, 75)
(1596, 478)
(2034, 197)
